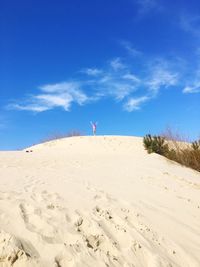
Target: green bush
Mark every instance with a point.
(155, 144)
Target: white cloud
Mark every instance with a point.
(117, 64)
(161, 76)
(194, 88)
(191, 24)
(52, 96)
(92, 71)
(191, 89)
(116, 81)
(146, 6)
(116, 89)
(120, 90)
(131, 50)
(60, 87)
(51, 101)
(65, 92)
(28, 107)
(135, 103)
(118, 85)
(132, 77)
(193, 85)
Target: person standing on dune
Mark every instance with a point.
(94, 127)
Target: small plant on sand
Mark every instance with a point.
(155, 144)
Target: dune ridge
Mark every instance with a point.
(97, 201)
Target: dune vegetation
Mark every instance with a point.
(175, 148)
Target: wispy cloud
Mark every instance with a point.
(52, 96)
(161, 75)
(194, 85)
(117, 64)
(92, 71)
(117, 80)
(116, 88)
(131, 77)
(130, 49)
(190, 24)
(63, 93)
(35, 107)
(192, 89)
(146, 6)
(135, 103)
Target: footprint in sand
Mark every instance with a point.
(38, 222)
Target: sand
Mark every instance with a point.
(97, 201)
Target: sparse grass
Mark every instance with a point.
(175, 147)
(174, 135)
(58, 135)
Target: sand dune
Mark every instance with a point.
(97, 201)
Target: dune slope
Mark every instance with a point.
(97, 201)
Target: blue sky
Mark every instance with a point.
(131, 65)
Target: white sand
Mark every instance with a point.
(97, 201)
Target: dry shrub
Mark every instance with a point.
(74, 133)
(58, 135)
(175, 139)
(187, 157)
(174, 135)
